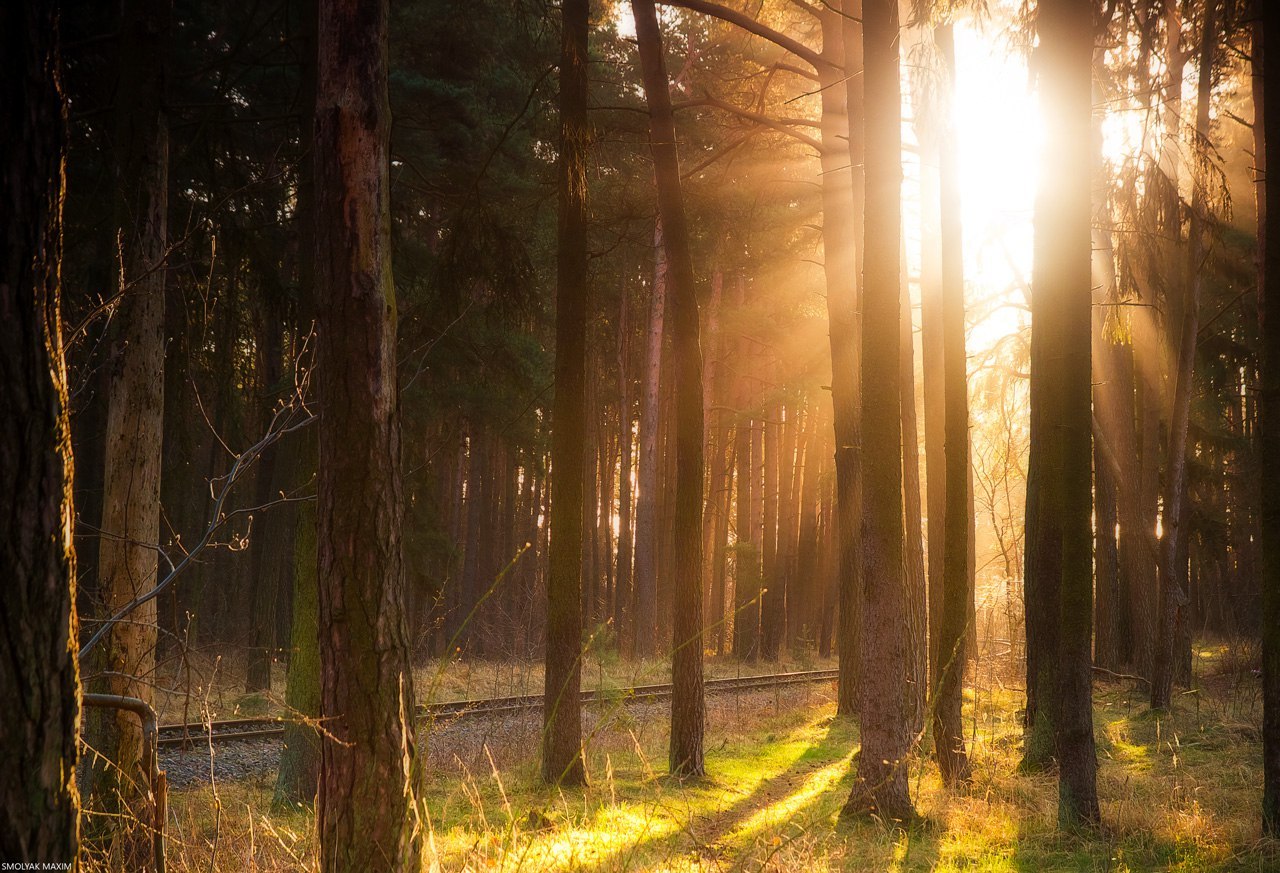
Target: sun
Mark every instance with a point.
(999, 132)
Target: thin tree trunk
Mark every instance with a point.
(623, 577)
(956, 595)
(645, 613)
(366, 817)
(687, 705)
(127, 559)
(298, 778)
(1269, 425)
(39, 806)
(562, 716)
(912, 522)
(842, 237)
(1172, 565)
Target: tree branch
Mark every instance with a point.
(749, 24)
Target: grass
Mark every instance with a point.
(211, 683)
(1180, 792)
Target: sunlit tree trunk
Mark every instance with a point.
(39, 805)
(562, 729)
(881, 786)
(127, 557)
(687, 706)
(366, 816)
(1269, 426)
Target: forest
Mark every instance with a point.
(665, 435)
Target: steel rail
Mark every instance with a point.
(241, 729)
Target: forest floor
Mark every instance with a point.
(210, 684)
(1180, 791)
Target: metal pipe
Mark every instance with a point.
(150, 762)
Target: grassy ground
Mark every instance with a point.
(211, 684)
(1179, 792)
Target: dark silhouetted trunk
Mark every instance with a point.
(687, 705)
(953, 611)
(562, 717)
(1060, 578)
(1173, 564)
(1269, 426)
(842, 236)
(39, 806)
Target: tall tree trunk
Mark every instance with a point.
(956, 595)
(912, 521)
(562, 717)
(366, 815)
(623, 577)
(933, 383)
(645, 613)
(1269, 425)
(771, 588)
(131, 489)
(1173, 566)
(298, 777)
(842, 238)
(1061, 325)
(687, 705)
(881, 787)
(746, 561)
(39, 805)
(299, 773)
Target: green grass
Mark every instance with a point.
(1179, 792)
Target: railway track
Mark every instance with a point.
(244, 729)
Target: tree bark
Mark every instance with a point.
(1172, 565)
(367, 816)
(912, 521)
(842, 236)
(645, 613)
(128, 559)
(1269, 425)
(39, 805)
(881, 786)
(687, 705)
(1061, 324)
(562, 717)
(953, 611)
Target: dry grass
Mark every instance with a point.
(1180, 792)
